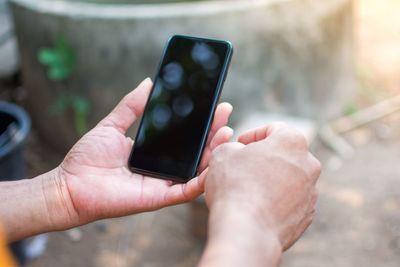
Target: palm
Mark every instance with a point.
(99, 181)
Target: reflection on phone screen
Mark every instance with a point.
(173, 126)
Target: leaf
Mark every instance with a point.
(69, 57)
(60, 59)
(48, 56)
(60, 41)
(58, 72)
(80, 123)
(350, 108)
(81, 104)
(81, 107)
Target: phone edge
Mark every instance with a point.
(220, 86)
(207, 131)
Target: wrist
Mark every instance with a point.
(59, 206)
(33, 206)
(239, 236)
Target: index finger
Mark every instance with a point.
(221, 117)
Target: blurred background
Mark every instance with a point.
(330, 68)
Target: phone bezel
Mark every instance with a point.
(219, 87)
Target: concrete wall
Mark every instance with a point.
(290, 56)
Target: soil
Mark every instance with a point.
(357, 221)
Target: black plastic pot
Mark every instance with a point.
(14, 127)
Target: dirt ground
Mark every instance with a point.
(357, 222)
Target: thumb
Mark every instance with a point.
(129, 108)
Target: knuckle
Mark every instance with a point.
(313, 211)
(310, 219)
(294, 138)
(223, 149)
(299, 139)
(220, 149)
(316, 167)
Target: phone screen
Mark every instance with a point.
(177, 117)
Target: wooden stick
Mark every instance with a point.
(375, 112)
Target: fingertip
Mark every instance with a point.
(228, 106)
(223, 135)
(226, 131)
(224, 108)
(229, 132)
(202, 179)
(146, 82)
(193, 188)
(243, 138)
(143, 88)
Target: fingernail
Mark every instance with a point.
(231, 132)
(230, 106)
(148, 79)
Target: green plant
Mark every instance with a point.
(80, 106)
(350, 108)
(60, 61)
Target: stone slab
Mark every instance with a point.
(305, 126)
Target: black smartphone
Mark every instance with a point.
(178, 115)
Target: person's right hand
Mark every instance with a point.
(268, 179)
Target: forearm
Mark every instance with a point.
(33, 206)
(235, 240)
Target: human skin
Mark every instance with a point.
(261, 192)
(93, 181)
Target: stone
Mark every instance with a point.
(306, 126)
(9, 61)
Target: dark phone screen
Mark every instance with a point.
(177, 116)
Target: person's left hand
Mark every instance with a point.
(94, 180)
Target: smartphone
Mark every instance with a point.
(178, 115)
